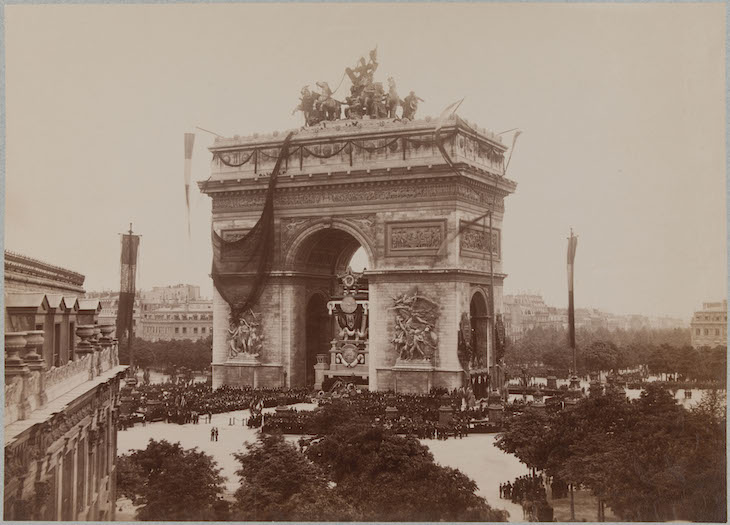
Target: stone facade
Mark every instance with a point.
(383, 186)
(164, 313)
(62, 377)
(709, 325)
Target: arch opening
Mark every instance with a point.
(318, 328)
(479, 315)
(334, 338)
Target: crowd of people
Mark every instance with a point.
(439, 414)
(529, 492)
(524, 488)
(185, 402)
(421, 415)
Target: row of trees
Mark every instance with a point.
(194, 355)
(352, 471)
(649, 460)
(545, 350)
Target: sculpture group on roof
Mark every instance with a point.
(367, 98)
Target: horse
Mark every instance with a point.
(330, 109)
(392, 100)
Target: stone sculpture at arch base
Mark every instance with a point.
(385, 186)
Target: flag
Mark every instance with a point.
(189, 141)
(572, 244)
(125, 311)
(447, 112)
(511, 150)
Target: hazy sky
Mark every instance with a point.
(622, 110)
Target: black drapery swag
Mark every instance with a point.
(241, 282)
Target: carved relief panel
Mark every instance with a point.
(408, 238)
(475, 241)
(232, 253)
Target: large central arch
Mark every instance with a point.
(321, 253)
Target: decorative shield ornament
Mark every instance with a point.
(349, 354)
(348, 304)
(348, 280)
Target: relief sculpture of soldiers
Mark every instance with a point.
(244, 338)
(415, 331)
(367, 98)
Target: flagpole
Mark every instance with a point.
(130, 350)
(490, 369)
(572, 243)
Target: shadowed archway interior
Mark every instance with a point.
(323, 256)
(326, 252)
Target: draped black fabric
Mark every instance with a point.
(125, 309)
(241, 280)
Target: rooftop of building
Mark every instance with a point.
(719, 306)
(24, 264)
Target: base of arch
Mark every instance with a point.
(416, 378)
(256, 375)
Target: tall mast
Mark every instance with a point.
(572, 243)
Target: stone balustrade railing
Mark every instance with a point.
(29, 385)
(63, 378)
(345, 146)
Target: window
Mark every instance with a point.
(202, 330)
(177, 329)
(707, 332)
(697, 332)
(717, 331)
(185, 329)
(195, 330)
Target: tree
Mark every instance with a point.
(278, 482)
(390, 478)
(649, 460)
(171, 483)
(600, 356)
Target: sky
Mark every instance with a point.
(621, 107)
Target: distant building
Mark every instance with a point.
(165, 312)
(191, 320)
(523, 312)
(110, 306)
(709, 325)
(177, 294)
(62, 378)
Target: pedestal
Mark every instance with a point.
(446, 415)
(413, 376)
(574, 383)
(248, 371)
(319, 369)
(496, 411)
(14, 364)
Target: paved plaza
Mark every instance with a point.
(476, 456)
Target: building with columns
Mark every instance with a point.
(429, 221)
(62, 377)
